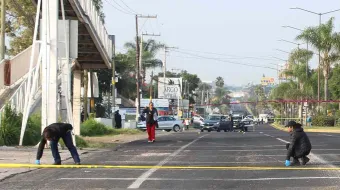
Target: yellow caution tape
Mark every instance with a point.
(168, 167)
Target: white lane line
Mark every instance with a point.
(327, 135)
(282, 140)
(204, 179)
(268, 135)
(138, 182)
(261, 132)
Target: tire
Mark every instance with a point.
(246, 129)
(202, 130)
(218, 130)
(209, 130)
(177, 128)
(168, 130)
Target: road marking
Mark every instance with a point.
(268, 135)
(154, 168)
(327, 135)
(138, 182)
(282, 140)
(204, 179)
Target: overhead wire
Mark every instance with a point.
(226, 61)
(129, 13)
(231, 56)
(123, 7)
(128, 7)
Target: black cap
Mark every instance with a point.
(293, 124)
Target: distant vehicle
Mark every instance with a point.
(209, 122)
(167, 123)
(248, 120)
(197, 121)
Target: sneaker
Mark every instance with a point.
(305, 160)
(149, 141)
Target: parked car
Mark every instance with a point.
(167, 123)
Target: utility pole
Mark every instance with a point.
(138, 64)
(151, 86)
(3, 25)
(113, 38)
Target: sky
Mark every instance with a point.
(231, 39)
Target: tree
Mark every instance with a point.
(326, 41)
(219, 82)
(20, 20)
(149, 50)
(334, 83)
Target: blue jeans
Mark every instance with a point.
(69, 144)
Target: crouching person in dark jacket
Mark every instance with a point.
(300, 145)
(53, 133)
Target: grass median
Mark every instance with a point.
(311, 129)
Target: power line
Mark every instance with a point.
(123, 7)
(128, 13)
(221, 60)
(200, 58)
(231, 56)
(128, 7)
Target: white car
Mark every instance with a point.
(167, 123)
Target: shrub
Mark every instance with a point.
(93, 128)
(10, 126)
(322, 120)
(81, 143)
(33, 130)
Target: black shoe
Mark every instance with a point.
(153, 140)
(57, 163)
(77, 163)
(295, 162)
(305, 160)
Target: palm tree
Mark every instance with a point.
(324, 39)
(220, 82)
(149, 50)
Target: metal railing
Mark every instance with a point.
(90, 10)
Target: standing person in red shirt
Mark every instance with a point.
(151, 121)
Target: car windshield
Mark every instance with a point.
(213, 117)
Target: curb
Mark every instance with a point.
(309, 130)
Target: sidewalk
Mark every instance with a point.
(26, 155)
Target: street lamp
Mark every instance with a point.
(320, 15)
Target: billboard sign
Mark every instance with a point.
(171, 89)
(267, 81)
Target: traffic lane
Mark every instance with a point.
(222, 179)
(91, 178)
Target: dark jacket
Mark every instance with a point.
(59, 130)
(150, 115)
(299, 145)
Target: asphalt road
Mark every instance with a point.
(263, 148)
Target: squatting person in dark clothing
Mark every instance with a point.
(151, 121)
(53, 133)
(300, 145)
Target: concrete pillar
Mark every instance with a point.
(50, 15)
(76, 101)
